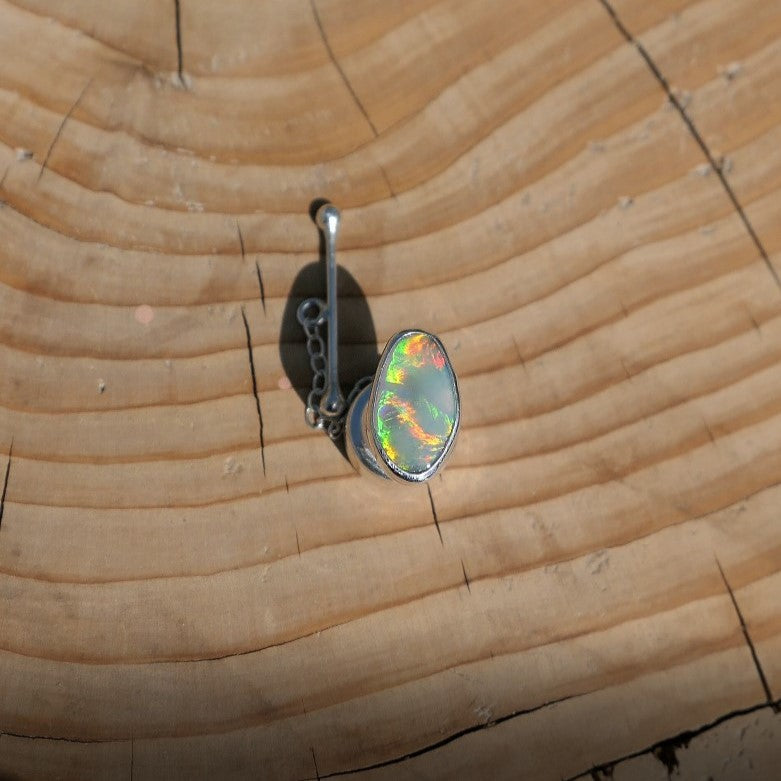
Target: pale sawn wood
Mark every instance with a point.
(513, 177)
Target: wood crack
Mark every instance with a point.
(5, 482)
(664, 750)
(241, 241)
(466, 577)
(387, 181)
(434, 513)
(78, 741)
(342, 74)
(243, 251)
(179, 53)
(717, 167)
(255, 389)
(261, 288)
(61, 128)
(747, 636)
(449, 739)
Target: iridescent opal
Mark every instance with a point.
(416, 402)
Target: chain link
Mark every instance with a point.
(311, 316)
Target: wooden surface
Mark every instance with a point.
(581, 199)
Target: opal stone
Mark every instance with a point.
(415, 408)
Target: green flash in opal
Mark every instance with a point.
(416, 403)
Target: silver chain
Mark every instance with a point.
(311, 316)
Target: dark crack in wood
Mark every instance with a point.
(255, 389)
(711, 435)
(754, 321)
(386, 178)
(179, 52)
(241, 241)
(712, 161)
(746, 635)
(466, 577)
(434, 514)
(338, 67)
(260, 286)
(662, 749)
(667, 754)
(5, 482)
(449, 739)
(78, 741)
(602, 775)
(61, 128)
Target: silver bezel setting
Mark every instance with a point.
(357, 437)
(368, 449)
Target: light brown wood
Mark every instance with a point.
(580, 198)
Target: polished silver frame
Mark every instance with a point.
(363, 447)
